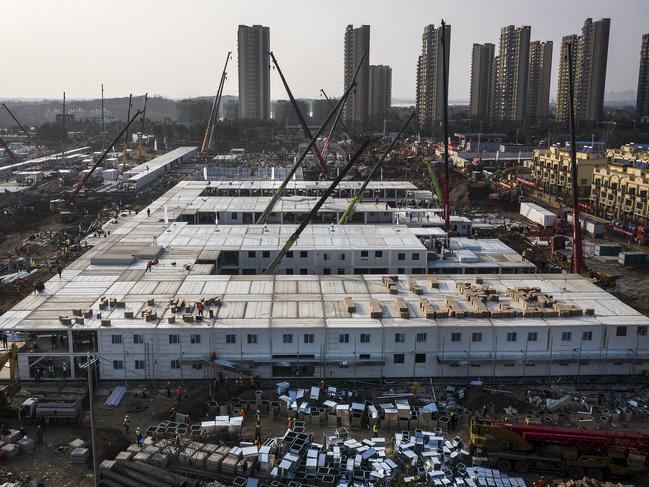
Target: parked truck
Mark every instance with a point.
(637, 233)
(565, 451)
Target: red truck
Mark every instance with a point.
(637, 233)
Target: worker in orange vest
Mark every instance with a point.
(242, 413)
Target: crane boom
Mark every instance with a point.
(215, 109)
(264, 216)
(85, 179)
(293, 238)
(29, 137)
(350, 209)
(342, 123)
(433, 178)
(4, 145)
(298, 112)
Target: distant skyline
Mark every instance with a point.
(177, 49)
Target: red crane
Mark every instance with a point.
(581, 438)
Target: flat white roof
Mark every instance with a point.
(295, 301)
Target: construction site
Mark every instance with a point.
(332, 307)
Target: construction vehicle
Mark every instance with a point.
(11, 356)
(602, 279)
(208, 138)
(566, 451)
(636, 233)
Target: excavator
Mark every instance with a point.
(566, 451)
(11, 356)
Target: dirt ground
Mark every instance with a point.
(50, 463)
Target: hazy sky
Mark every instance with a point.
(177, 48)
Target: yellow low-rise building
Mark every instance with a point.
(551, 171)
(620, 189)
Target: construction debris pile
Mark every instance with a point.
(297, 460)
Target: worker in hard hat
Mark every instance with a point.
(127, 424)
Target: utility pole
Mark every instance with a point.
(64, 133)
(447, 211)
(89, 367)
(577, 250)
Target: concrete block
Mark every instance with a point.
(80, 455)
(10, 450)
(26, 445)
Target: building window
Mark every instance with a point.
(308, 338)
(304, 254)
(642, 331)
(326, 256)
(364, 253)
(289, 272)
(265, 254)
(326, 271)
(303, 272)
(195, 339)
(252, 254)
(456, 337)
(118, 364)
(621, 331)
(399, 358)
(511, 336)
(365, 338)
(420, 358)
(378, 253)
(532, 336)
(235, 216)
(174, 339)
(566, 336)
(364, 356)
(476, 337)
(139, 364)
(342, 257)
(415, 256)
(343, 338)
(399, 338)
(587, 336)
(340, 271)
(175, 364)
(230, 339)
(252, 339)
(401, 256)
(197, 366)
(289, 254)
(421, 337)
(287, 338)
(117, 339)
(138, 339)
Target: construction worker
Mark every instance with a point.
(127, 424)
(290, 422)
(179, 393)
(453, 421)
(59, 271)
(257, 382)
(375, 430)
(240, 381)
(258, 415)
(258, 434)
(138, 436)
(168, 389)
(172, 414)
(39, 435)
(323, 386)
(200, 307)
(251, 382)
(177, 439)
(242, 413)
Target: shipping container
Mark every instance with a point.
(538, 214)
